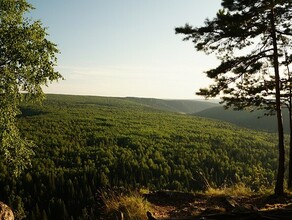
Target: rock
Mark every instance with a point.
(5, 212)
(229, 203)
(150, 216)
(213, 210)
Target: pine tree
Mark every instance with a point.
(247, 36)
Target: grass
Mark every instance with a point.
(129, 206)
(238, 189)
(133, 206)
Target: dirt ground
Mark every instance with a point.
(179, 205)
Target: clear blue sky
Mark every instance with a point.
(126, 47)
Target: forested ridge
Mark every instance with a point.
(257, 119)
(172, 105)
(86, 143)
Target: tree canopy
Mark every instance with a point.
(27, 61)
(250, 38)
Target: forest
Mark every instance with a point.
(84, 144)
(57, 159)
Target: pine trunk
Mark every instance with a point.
(289, 106)
(290, 150)
(279, 187)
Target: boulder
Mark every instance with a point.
(5, 212)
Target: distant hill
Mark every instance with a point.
(180, 106)
(169, 105)
(207, 109)
(255, 120)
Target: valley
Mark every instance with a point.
(83, 144)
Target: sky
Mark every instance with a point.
(126, 48)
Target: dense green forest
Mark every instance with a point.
(86, 143)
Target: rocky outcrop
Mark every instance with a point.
(5, 212)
